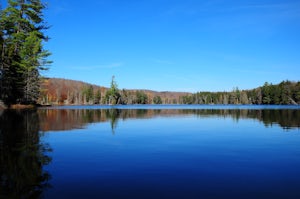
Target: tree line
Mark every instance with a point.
(72, 92)
(64, 92)
(286, 92)
(22, 55)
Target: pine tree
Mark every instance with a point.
(112, 96)
(22, 53)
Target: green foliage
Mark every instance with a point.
(88, 93)
(157, 100)
(188, 99)
(141, 98)
(112, 96)
(98, 97)
(64, 92)
(284, 93)
(266, 93)
(22, 54)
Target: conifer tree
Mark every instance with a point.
(112, 96)
(22, 53)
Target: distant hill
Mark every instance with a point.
(57, 91)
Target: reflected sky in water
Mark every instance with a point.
(152, 153)
(177, 154)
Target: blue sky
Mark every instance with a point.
(175, 45)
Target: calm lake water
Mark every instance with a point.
(151, 152)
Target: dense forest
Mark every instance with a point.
(22, 55)
(65, 92)
(286, 92)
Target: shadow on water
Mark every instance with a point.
(22, 155)
(66, 119)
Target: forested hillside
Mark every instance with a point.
(55, 91)
(65, 92)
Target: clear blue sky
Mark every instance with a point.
(175, 45)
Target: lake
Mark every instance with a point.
(151, 151)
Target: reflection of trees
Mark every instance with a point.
(64, 119)
(286, 118)
(22, 156)
(113, 115)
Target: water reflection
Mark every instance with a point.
(22, 156)
(113, 115)
(66, 119)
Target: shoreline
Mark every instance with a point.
(22, 106)
(139, 106)
(17, 106)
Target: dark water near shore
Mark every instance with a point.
(151, 152)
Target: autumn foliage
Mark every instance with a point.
(56, 91)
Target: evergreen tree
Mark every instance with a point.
(88, 93)
(22, 53)
(112, 96)
(266, 93)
